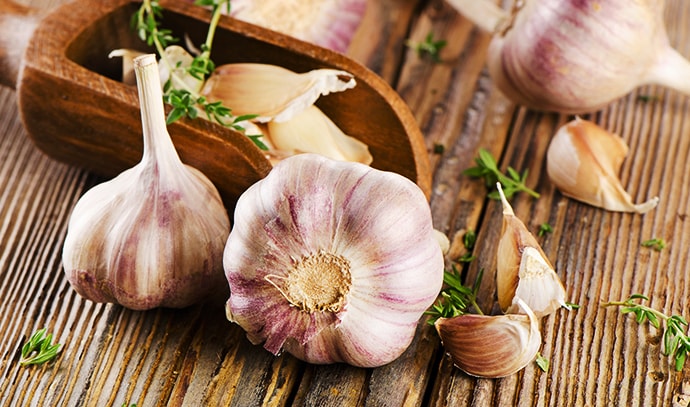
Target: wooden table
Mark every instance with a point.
(194, 357)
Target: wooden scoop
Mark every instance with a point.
(76, 110)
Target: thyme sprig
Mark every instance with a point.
(456, 299)
(487, 168)
(39, 349)
(657, 244)
(676, 342)
(429, 46)
(184, 99)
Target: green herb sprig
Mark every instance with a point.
(176, 92)
(676, 342)
(544, 228)
(456, 299)
(39, 349)
(655, 244)
(468, 240)
(487, 168)
(429, 46)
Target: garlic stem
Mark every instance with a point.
(672, 70)
(153, 112)
(483, 13)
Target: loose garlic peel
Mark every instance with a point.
(321, 263)
(154, 235)
(311, 131)
(583, 161)
(491, 346)
(522, 269)
(272, 92)
(577, 56)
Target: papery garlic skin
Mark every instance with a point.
(491, 346)
(574, 56)
(523, 272)
(154, 235)
(583, 161)
(311, 131)
(323, 264)
(272, 92)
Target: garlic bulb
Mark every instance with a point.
(270, 91)
(311, 131)
(328, 23)
(574, 56)
(583, 161)
(523, 272)
(154, 235)
(323, 264)
(491, 346)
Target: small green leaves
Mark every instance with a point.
(655, 244)
(429, 47)
(39, 349)
(544, 228)
(542, 362)
(487, 168)
(456, 299)
(676, 341)
(468, 240)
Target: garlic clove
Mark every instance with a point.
(583, 161)
(127, 55)
(154, 235)
(328, 23)
(272, 92)
(491, 346)
(522, 269)
(321, 263)
(311, 131)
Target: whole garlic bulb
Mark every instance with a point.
(154, 235)
(574, 56)
(332, 261)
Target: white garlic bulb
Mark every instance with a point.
(577, 56)
(332, 261)
(154, 235)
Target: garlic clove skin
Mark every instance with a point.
(574, 57)
(178, 60)
(272, 92)
(491, 346)
(321, 263)
(583, 161)
(127, 55)
(522, 269)
(154, 235)
(311, 131)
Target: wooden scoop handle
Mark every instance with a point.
(17, 24)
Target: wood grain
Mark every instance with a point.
(195, 357)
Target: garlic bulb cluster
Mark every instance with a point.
(154, 235)
(583, 161)
(574, 56)
(528, 289)
(323, 264)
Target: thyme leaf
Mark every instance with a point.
(487, 168)
(544, 228)
(676, 341)
(456, 299)
(39, 349)
(429, 46)
(542, 362)
(655, 244)
(184, 100)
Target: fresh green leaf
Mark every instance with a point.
(655, 244)
(429, 46)
(544, 228)
(542, 362)
(39, 349)
(456, 299)
(487, 168)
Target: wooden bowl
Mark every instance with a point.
(77, 111)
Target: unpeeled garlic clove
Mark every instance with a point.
(311, 131)
(272, 92)
(522, 269)
(583, 161)
(491, 346)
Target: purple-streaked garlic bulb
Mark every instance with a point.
(332, 261)
(576, 56)
(154, 235)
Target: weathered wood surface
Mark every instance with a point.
(195, 357)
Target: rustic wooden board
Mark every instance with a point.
(195, 357)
